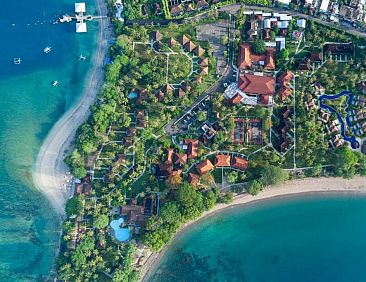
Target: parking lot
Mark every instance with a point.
(213, 33)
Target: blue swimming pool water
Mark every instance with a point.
(132, 95)
(351, 139)
(121, 234)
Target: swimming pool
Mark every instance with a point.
(132, 95)
(122, 234)
(352, 139)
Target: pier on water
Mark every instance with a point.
(80, 18)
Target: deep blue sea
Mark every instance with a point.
(29, 106)
(313, 238)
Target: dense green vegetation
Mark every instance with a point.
(189, 205)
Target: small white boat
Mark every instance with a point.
(47, 49)
(82, 58)
(55, 83)
(17, 61)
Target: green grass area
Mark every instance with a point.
(217, 174)
(179, 67)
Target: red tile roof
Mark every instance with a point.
(222, 160)
(192, 148)
(183, 39)
(169, 156)
(180, 159)
(199, 51)
(256, 84)
(284, 93)
(204, 167)
(246, 58)
(193, 179)
(189, 46)
(236, 99)
(203, 62)
(240, 163)
(285, 78)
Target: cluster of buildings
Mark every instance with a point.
(284, 84)
(180, 7)
(285, 129)
(136, 215)
(351, 12)
(202, 65)
(175, 161)
(262, 23)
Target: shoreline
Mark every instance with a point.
(50, 169)
(292, 188)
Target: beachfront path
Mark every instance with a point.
(49, 170)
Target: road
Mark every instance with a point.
(233, 9)
(171, 128)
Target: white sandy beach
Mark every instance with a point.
(49, 171)
(290, 188)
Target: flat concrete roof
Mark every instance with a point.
(81, 27)
(80, 7)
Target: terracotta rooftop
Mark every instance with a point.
(236, 99)
(183, 39)
(239, 163)
(140, 114)
(256, 84)
(284, 93)
(192, 148)
(163, 170)
(172, 42)
(169, 156)
(176, 9)
(222, 160)
(204, 71)
(180, 92)
(189, 46)
(285, 77)
(156, 35)
(204, 167)
(203, 62)
(199, 51)
(193, 179)
(167, 88)
(198, 79)
(180, 159)
(246, 58)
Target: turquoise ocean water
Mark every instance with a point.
(29, 106)
(315, 238)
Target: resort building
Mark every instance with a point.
(193, 179)
(192, 148)
(239, 163)
(204, 167)
(222, 160)
(247, 60)
(252, 89)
